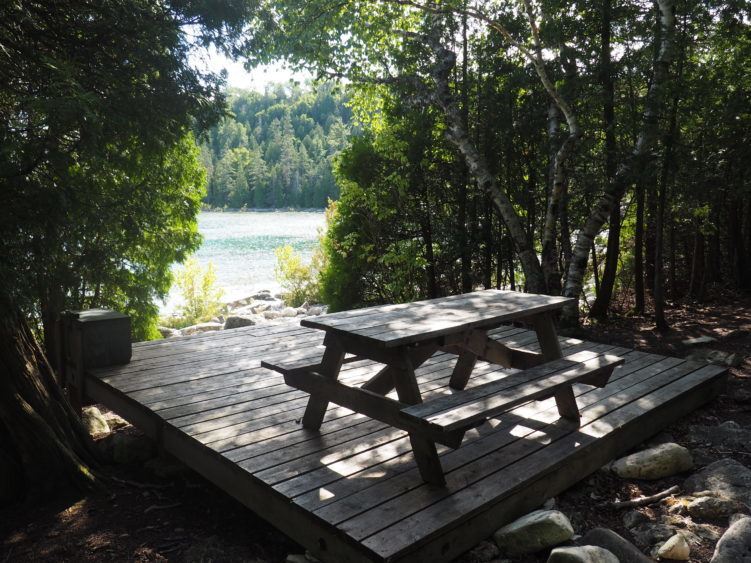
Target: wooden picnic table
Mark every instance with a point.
(404, 336)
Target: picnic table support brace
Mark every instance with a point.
(550, 347)
(331, 364)
(423, 448)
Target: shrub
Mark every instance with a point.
(299, 281)
(201, 298)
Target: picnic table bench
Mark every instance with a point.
(404, 336)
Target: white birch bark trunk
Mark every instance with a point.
(641, 154)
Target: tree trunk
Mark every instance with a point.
(43, 439)
(601, 305)
(457, 133)
(653, 106)
(639, 251)
(696, 285)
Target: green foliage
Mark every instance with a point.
(299, 281)
(200, 298)
(412, 220)
(276, 149)
(99, 171)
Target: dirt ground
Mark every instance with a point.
(180, 517)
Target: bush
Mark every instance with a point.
(201, 297)
(299, 281)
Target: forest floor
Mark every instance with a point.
(180, 517)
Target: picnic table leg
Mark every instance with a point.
(475, 343)
(423, 448)
(383, 381)
(317, 403)
(550, 347)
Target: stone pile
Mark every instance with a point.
(260, 308)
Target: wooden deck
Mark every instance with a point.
(352, 492)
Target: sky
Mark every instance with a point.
(238, 77)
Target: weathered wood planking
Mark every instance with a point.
(352, 491)
(394, 325)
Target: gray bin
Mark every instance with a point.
(104, 336)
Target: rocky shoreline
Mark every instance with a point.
(263, 307)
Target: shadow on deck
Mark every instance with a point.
(352, 491)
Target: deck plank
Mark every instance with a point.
(352, 491)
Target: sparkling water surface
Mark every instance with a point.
(241, 247)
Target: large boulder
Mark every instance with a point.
(289, 312)
(624, 550)
(238, 321)
(735, 544)
(725, 478)
(94, 421)
(534, 532)
(582, 554)
(658, 462)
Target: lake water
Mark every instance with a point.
(241, 247)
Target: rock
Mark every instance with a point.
(634, 518)
(716, 357)
(263, 295)
(582, 554)
(726, 478)
(315, 311)
(167, 332)
(483, 552)
(128, 447)
(296, 558)
(94, 421)
(201, 328)
(289, 312)
(647, 535)
(271, 315)
(260, 308)
(537, 530)
(675, 549)
(728, 434)
(624, 550)
(654, 463)
(698, 340)
(302, 311)
(237, 321)
(735, 544)
(115, 421)
(713, 508)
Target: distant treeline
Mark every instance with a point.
(276, 149)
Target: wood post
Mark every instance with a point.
(91, 339)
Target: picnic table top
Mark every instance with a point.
(390, 326)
